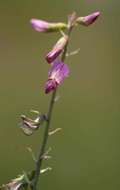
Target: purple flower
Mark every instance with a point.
(50, 85)
(88, 20)
(57, 49)
(43, 26)
(56, 75)
(39, 25)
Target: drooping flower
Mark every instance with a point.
(29, 126)
(89, 19)
(43, 26)
(56, 75)
(57, 49)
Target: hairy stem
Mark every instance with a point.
(46, 132)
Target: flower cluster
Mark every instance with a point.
(59, 70)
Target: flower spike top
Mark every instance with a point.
(56, 75)
(89, 19)
(57, 49)
(43, 26)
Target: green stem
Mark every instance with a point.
(44, 143)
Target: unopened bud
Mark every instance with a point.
(43, 26)
(57, 49)
(88, 20)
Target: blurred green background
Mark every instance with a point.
(86, 154)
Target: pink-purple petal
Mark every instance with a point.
(89, 19)
(57, 49)
(39, 25)
(51, 56)
(56, 75)
(50, 85)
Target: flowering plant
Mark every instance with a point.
(58, 71)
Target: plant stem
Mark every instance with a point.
(44, 143)
(46, 132)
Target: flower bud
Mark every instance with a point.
(43, 26)
(56, 75)
(88, 20)
(57, 49)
